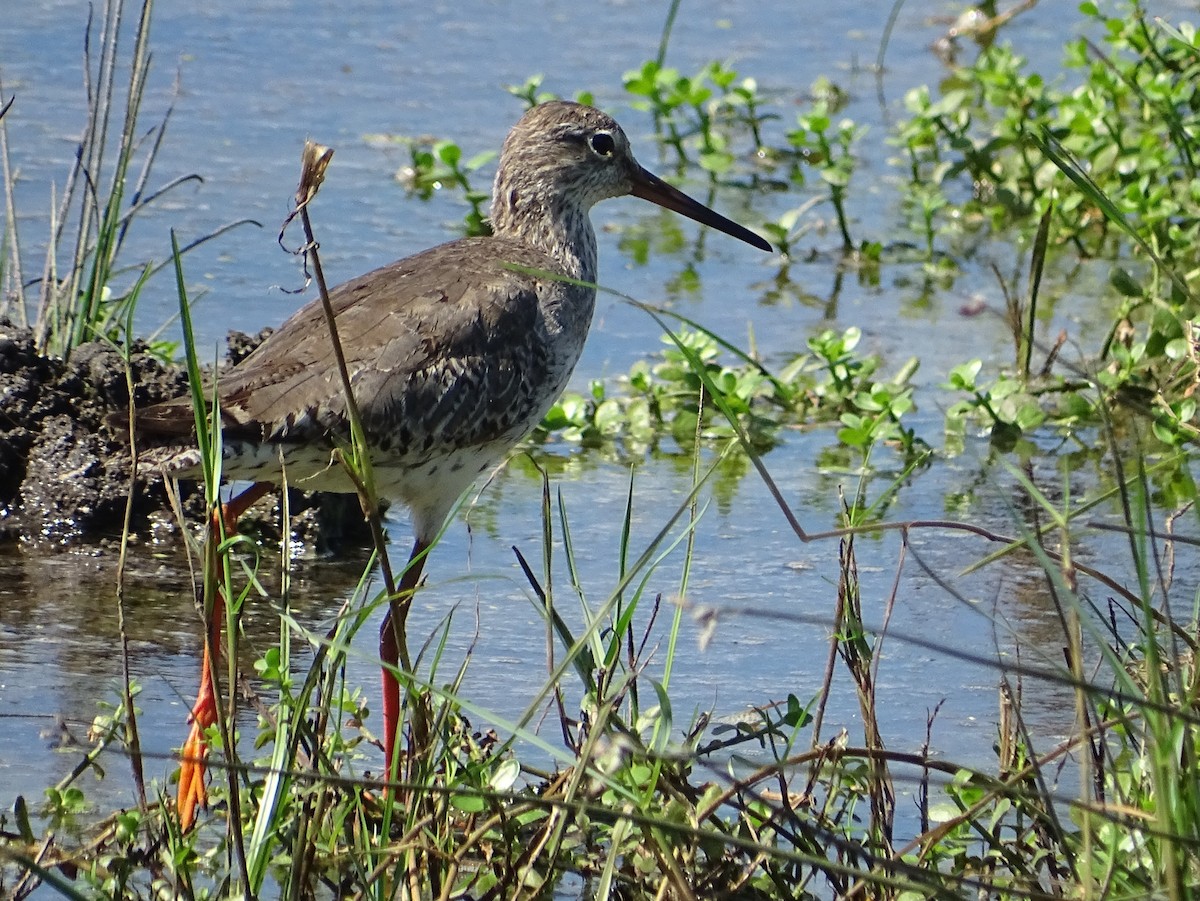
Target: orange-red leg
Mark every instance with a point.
(192, 792)
(389, 653)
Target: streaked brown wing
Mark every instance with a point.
(423, 343)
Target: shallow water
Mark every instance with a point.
(255, 81)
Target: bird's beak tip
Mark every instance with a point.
(649, 186)
(762, 243)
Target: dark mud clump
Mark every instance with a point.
(65, 474)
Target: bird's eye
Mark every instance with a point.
(603, 144)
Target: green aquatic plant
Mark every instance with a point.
(827, 146)
(706, 116)
(532, 94)
(1103, 167)
(435, 165)
(693, 390)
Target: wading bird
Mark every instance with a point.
(454, 355)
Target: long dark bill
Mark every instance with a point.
(649, 186)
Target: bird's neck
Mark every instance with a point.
(551, 224)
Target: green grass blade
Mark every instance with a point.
(1070, 167)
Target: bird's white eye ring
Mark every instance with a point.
(602, 144)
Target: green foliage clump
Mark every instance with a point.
(1104, 168)
(708, 114)
(974, 153)
(692, 391)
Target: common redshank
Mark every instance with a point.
(454, 355)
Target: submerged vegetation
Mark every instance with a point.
(636, 798)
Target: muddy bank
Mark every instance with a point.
(65, 474)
